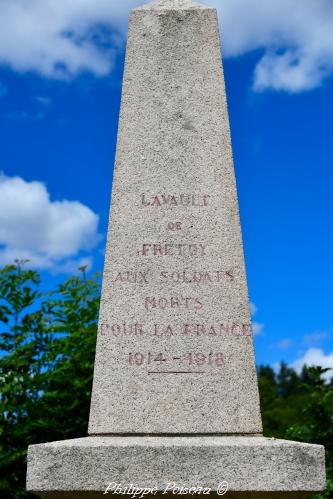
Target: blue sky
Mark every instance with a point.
(60, 89)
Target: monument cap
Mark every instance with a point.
(173, 5)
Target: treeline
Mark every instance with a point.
(47, 344)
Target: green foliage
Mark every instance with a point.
(299, 408)
(47, 344)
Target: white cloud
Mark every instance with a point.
(253, 308)
(315, 338)
(295, 35)
(315, 357)
(72, 266)
(49, 233)
(55, 38)
(58, 38)
(283, 344)
(44, 101)
(257, 327)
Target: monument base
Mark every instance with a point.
(253, 466)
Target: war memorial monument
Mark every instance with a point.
(175, 397)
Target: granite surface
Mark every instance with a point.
(175, 347)
(247, 464)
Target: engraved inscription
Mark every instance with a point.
(172, 200)
(218, 329)
(195, 250)
(173, 302)
(180, 300)
(175, 226)
(189, 359)
(231, 330)
(122, 329)
(235, 330)
(131, 277)
(197, 277)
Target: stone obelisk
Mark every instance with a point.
(175, 395)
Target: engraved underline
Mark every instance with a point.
(176, 372)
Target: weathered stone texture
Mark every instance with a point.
(174, 229)
(247, 463)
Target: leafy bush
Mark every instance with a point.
(48, 343)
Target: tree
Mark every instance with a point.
(48, 343)
(299, 408)
(316, 425)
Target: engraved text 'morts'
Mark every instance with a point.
(173, 302)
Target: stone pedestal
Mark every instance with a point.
(175, 396)
(267, 466)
